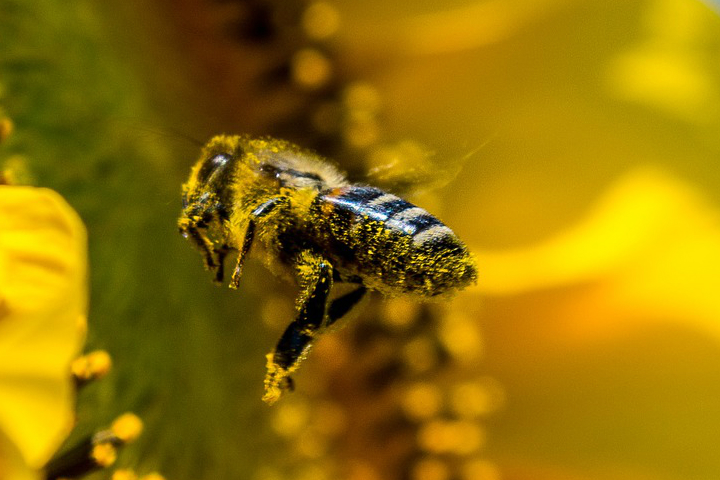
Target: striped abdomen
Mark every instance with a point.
(389, 242)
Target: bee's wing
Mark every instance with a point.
(407, 167)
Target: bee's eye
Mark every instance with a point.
(269, 169)
(220, 160)
(212, 165)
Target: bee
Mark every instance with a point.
(314, 226)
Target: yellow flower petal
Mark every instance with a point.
(12, 465)
(642, 209)
(42, 317)
(651, 245)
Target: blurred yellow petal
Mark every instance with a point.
(668, 70)
(42, 317)
(651, 245)
(12, 465)
(450, 28)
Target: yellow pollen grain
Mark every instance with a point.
(476, 398)
(272, 394)
(321, 20)
(480, 469)
(470, 437)
(152, 476)
(442, 437)
(435, 437)
(6, 128)
(276, 379)
(127, 427)
(94, 365)
(80, 369)
(430, 469)
(362, 96)
(420, 354)
(310, 68)
(399, 312)
(461, 336)
(124, 474)
(104, 454)
(422, 401)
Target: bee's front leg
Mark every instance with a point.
(220, 252)
(315, 275)
(255, 216)
(189, 229)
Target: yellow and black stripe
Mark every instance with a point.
(355, 204)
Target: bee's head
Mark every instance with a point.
(212, 176)
(206, 179)
(205, 196)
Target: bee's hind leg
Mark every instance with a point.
(342, 305)
(315, 275)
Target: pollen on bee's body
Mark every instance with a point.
(315, 226)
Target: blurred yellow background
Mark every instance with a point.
(584, 135)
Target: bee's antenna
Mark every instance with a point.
(165, 131)
(170, 131)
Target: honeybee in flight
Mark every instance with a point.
(314, 226)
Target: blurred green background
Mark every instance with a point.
(588, 137)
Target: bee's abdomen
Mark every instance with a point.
(356, 204)
(395, 245)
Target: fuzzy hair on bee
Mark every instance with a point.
(312, 225)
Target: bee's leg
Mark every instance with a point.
(342, 305)
(316, 277)
(202, 243)
(247, 243)
(221, 252)
(190, 225)
(255, 216)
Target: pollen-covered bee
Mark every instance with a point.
(314, 226)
